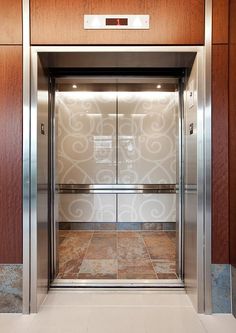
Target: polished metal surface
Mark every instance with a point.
(208, 154)
(132, 284)
(39, 185)
(114, 21)
(191, 116)
(26, 157)
(116, 133)
(116, 188)
(194, 185)
(75, 55)
(180, 182)
(122, 56)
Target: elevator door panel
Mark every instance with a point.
(147, 137)
(41, 234)
(86, 137)
(191, 193)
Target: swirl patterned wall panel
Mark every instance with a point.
(147, 137)
(86, 137)
(87, 208)
(110, 137)
(146, 208)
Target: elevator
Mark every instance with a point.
(115, 166)
(118, 149)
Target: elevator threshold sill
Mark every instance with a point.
(121, 284)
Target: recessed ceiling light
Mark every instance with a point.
(159, 86)
(74, 86)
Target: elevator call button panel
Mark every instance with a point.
(116, 22)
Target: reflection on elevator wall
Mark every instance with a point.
(125, 134)
(86, 137)
(147, 137)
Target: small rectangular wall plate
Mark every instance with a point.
(116, 22)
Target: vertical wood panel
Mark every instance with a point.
(171, 22)
(10, 21)
(220, 182)
(220, 21)
(232, 130)
(11, 154)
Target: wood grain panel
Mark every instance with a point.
(232, 130)
(171, 22)
(10, 21)
(11, 154)
(220, 181)
(220, 21)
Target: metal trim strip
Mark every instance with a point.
(208, 156)
(26, 156)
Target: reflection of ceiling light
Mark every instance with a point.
(158, 86)
(114, 115)
(74, 86)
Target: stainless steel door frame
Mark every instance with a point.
(39, 185)
(204, 143)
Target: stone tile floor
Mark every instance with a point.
(117, 255)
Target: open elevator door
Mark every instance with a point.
(117, 164)
(40, 221)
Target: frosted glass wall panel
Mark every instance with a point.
(86, 137)
(146, 208)
(147, 137)
(87, 208)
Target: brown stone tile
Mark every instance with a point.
(98, 269)
(167, 276)
(135, 269)
(70, 266)
(69, 276)
(76, 233)
(164, 266)
(171, 235)
(132, 248)
(102, 246)
(63, 233)
(128, 234)
(71, 253)
(159, 245)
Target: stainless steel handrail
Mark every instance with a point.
(115, 188)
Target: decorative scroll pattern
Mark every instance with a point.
(86, 137)
(146, 208)
(131, 208)
(147, 137)
(87, 208)
(86, 125)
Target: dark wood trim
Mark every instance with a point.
(232, 131)
(220, 181)
(11, 154)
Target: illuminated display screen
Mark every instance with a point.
(116, 21)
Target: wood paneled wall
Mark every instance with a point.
(11, 154)
(171, 22)
(11, 132)
(232, 130)
(61, 22)
(220, 21)
(10, 22)
(220, 161)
